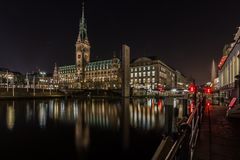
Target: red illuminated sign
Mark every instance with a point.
(233, 101)
(222, 61)
(160, 88)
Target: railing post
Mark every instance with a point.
(168, 115)
(185, 107)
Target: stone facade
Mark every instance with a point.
(149, 72)
(85, 74)
(229, 69)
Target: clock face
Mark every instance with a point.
(86, 57)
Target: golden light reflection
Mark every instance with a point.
(10, 119)
(42, 115)
(96, 113)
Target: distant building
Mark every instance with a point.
(103, 74)
(151, 72)
(146, 72)
(10, 77)
(85, 74)
(39, 80)
(213, 71)
(181, 80)
(229, 69)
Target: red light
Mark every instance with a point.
(160, 105)
(207, 90)
(208, 104)
(222, 61)
(232, 102)
(192, 88)
(160, 88)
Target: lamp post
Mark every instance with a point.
(34, 85)
(7, 81)
(13, 86)
(27, 80)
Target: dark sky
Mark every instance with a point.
(187, 35)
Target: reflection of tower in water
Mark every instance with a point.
(82, 131)
(42, 115)
(125, 123)
(10, 119)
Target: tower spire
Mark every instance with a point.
(83, 18)
(213, 71)
(82, 36)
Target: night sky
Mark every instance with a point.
(186, 35)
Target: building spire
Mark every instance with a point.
(82, 36)
(213, 71)
(83, 18)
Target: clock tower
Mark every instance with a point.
(82, 48)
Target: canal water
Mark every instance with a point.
(74, 129)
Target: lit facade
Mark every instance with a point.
(150, 72)
(102, 74)
(229, 69)
(10, 77)
(181, 81)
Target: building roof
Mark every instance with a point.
(103, 64)
(67, 67)
(150, 58)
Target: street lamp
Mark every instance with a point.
(7, 81)
(27, 81)
(34, 85)
(13, 86)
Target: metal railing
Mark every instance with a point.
(183, 147)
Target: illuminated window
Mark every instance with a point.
(153, 80)
(148, 73)
(163, 69)
(139, 68)
(131, 81)
(148, 67)
(144, 74)
(148, 80)
(144, 80)
(131, 69)
(153, 67)
(135, 74)
(144, 68)
(131, 74)
(153, 73)
(140, 74)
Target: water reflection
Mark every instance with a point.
(120, 117)
(144, 114)
(10, 119)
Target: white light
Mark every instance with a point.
(174, 90)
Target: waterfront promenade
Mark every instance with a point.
(219, 138)
(22, 93)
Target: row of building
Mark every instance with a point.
(227, 83)
(145, 72)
